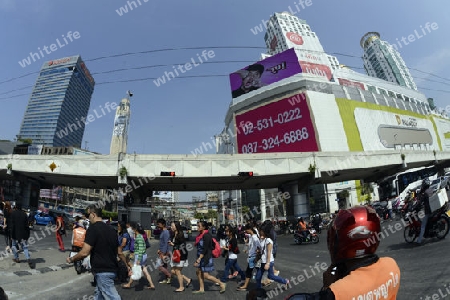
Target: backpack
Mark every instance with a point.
(132, 245)
(216, 250)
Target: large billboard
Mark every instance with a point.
(264, 72)
(315, 63)
(281, 126)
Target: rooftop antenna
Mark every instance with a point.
(130, 94)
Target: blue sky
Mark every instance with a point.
(182, 113)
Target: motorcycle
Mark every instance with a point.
(312, 237)
(438, 225)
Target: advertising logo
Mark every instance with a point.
(275, 69)
(316, 69)
(57, 62)
(295, 38)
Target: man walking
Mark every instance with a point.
(101, 244)
(20, 232)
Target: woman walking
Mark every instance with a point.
(252, 246)
(179, 243)
(233, 251)
(267, 259)
(204, 262)
(140, 257)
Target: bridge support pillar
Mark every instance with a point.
(262, 205)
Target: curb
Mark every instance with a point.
(37, 271)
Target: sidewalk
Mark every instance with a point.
(43, 260)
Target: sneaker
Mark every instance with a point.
(169, 280)
(277, 273)
(163, 281)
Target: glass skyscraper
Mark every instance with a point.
(383, 61)
(59, 104)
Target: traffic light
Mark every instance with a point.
(168, 174)
(246, 174)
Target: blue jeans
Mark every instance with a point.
(422, 228)
(232, 263)
(105, 288)
(270, 275)
(24, 244)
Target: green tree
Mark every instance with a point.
(245, 210)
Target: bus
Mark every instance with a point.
(396, 187)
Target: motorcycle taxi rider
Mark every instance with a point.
(356, 271)
(302, 228)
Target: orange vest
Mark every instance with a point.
(79, 234)
(380, 280)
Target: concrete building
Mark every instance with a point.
(299, 99)
(286, 31)
(382, 60)
(59, 104)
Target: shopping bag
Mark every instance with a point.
(136, 272)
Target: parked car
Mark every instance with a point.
(43, 219)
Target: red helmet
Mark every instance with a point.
(353, 233)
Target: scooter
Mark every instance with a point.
(438, 225)
(312, 237)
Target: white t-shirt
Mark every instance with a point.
(231, 254)
(263, 246)
(253, 243)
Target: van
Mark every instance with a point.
(194, 226)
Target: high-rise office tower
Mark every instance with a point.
(285, 31)
(121, 121)
(383, 61)
(59, 104)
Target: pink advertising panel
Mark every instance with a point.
(281, 126)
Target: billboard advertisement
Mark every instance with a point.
(314, 63)
(264, 72)
(346, 82)
(281, 126)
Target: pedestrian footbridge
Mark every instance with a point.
(213, 172)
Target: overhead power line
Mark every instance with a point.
(200, 48)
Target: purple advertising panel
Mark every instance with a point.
(264, 72)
